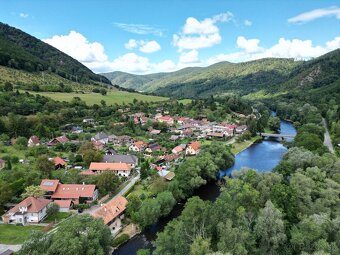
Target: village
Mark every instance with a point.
(148, 158)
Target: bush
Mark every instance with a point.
(52, 209)
(120, 240)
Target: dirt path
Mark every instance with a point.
(327, 138)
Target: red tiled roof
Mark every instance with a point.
(63, 203)
(100, 166)
(49, 185)
(74, 191)
(111, 210)
(59, 161)
(195, 145)
(178, 149)
(35, 139)
(33, 205)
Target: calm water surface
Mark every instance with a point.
(263, 156)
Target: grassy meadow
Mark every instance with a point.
(112, 97)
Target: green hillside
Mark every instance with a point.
(21, 51)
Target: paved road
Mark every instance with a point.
(327, 139)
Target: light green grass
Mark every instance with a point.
(57, 217)
(238, 147)
(185, 101)
(261, 94)
(112, 97)
(11, 151)
(12, 234)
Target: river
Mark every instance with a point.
(263, 156)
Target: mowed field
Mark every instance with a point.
(112, 97)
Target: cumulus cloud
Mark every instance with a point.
(131, 44)
(23, 15)
(248, 23)
(189, 57)
(197, 34)
(78, 47)
(140, 29)
(316, 14)
(144, 46)
(284, 48)
(150, 47)
(92, 54)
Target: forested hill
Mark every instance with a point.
(21, 51)
(265, 75)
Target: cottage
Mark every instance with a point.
(178, 149)
(131, 160)
(138, 146)
(77, 193)
(155, 132)
(121, 169)
(64, 205)
(77, 130)
(58, 140)
(241, 129)
(33, 141)
(153, 147)
(101, 137)
(193, 148)
(112, 213)
(122, 140)
(110, 152)
(59, 162)
(2, 163)
(166, 119)
(98, 146)
(30, 210)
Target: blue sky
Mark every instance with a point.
(145, 36)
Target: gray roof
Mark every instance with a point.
(100, 136)
(128, 159)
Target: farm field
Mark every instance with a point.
(112, 97)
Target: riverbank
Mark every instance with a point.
(238, 147)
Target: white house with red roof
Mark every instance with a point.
(138, 146)
(75, 193)
(33, 141)
(30, 210)
(120, 169)
(166, 119)
(193, 148)
(58, 140)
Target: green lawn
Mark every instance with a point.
(12, 234)
(112, 97)
(57, 217)
(238, 147)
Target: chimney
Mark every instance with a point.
(83, 183)
(104, 209)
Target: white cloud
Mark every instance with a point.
(197, 34)
(23, 15)
(284, 48)
(316, 14)
(165, 66)
(144, 46)
(150, 47)
(189, 57)
(131, 44)
(248, 23)
(78, 47)
(140, 29)
(249, 45)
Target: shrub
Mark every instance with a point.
(120, 240)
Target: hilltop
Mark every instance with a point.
(22, 52)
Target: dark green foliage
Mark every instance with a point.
(120, 240)
(21, 51)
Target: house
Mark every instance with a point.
(101, 137)
(58, 140)
(241, 129)
(174, 137)
(166, 119)
(131, 160)
(110, 152)
(171, 157)
(98, 146)
(138, 146)
(193, 148)
(121, 169)
(2, 163)
(88, 121)
(215, 134)
(77, 130)
(182, 120)
(167, 175)
(59, 162)
(122, 140)
(178, 149)
(33, 141)
(153, 147)
(30, 210)
(64, 205)
(77, 193)
(112, 213)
